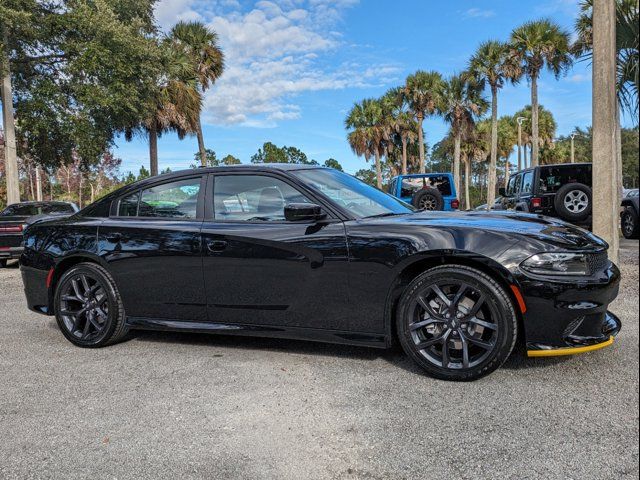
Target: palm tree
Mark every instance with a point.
(175, 105)
(492, 65)
(369, 133)
(507, 140)
(401, 122)
(536, 45)
(627, 46)
(546, 131)
(462, 104)
(200, 45)
(423, 92)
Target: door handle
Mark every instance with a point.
(114, 237)
(216, 245)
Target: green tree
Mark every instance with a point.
(368, 176)
(200, 44)
(536, 45)
(423, 92)
(231, 160)
(492, 65)
(507, 140)
(462, 105)
(627, 46)
(211, 160)
(333, 163)
(69, 67)
(402, 124)
(371, 128)
(630, 155)
(546, 132)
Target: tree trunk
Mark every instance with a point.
(80, 193)
(153, 151)
(203, 151)
(535, 148)
(491, 187)
(32, 191)
(467, 176)
(9, 127)
(404, 155)
(606, 200)
(378, 171)
(456, 161)
(421, 143)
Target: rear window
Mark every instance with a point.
(20, 210)
(57, 208)
(552, 178)
(410, 185)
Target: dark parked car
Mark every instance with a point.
(629, 215)
(15, 218)
(305, 252)
(562, 191)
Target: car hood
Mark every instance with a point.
(535, 227)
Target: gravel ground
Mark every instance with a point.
(186, 406)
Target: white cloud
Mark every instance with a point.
(274, 50)
(479, 13)
(579, 78)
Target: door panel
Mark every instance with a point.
(157, 266)
(276, 274)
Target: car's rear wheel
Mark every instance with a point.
(88, 307)
(456, 322)
(573, 202)
(630, 227)
(428, 199)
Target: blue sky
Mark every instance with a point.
(295, 67)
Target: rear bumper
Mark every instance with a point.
(10, 253)
(569, 318)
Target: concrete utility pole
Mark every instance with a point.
(573, 150)
(10, 155)
(606, 200)
(520, 120)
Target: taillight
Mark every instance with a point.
(536, 202)
(11, 229)
(455, 204)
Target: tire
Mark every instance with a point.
(3, 263)
(573, 202)
(422, 332)
(629, 224)
(428, 199)
(95, 327)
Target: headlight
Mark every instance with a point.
(566, 264)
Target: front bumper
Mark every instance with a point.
(564, 318)
(10, 253)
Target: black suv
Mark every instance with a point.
(562, 191)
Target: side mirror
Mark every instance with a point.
(502, 192)
(296, 212)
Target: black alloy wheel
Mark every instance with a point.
(457, 323)
(630, 227)
(429, 199)
(88, 308)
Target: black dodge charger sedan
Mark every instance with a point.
(311, 253)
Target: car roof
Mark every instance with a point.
(41, 202)
(529, 169)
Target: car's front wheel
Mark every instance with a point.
(88, 307)
(456, 322)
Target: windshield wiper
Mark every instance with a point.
(380, 215)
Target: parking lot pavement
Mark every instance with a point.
(185, 406)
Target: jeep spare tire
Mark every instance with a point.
(573, 202)
(428, 199)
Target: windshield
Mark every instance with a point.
(355, 196)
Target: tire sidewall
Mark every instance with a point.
(108, 287)
(499, 301)
(628, 213)
(562, 211)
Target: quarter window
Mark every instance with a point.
(129, 205)
(253, 198)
